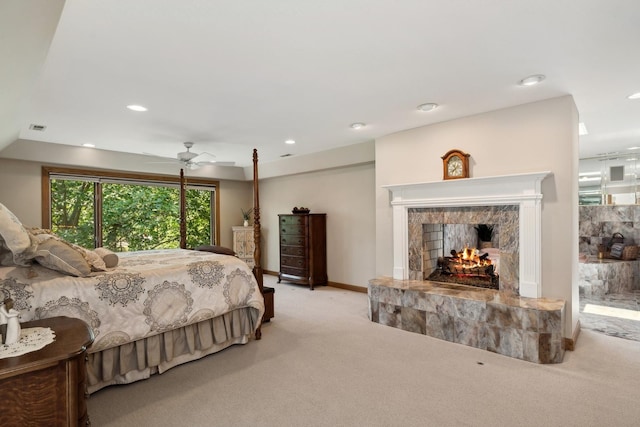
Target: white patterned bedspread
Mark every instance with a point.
(147, 293)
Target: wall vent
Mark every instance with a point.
(39, 128)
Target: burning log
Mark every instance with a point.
(451, 265)
(467, 268)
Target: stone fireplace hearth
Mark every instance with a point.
(514, 320)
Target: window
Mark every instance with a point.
(128, 211)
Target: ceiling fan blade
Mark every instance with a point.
(203, 157)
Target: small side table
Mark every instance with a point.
(47, 386)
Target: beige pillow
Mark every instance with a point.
(14, 238)
(110, 258)
(60, 256)
(95, 261)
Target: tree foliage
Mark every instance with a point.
(134, 216)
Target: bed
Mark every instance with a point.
(153, 311)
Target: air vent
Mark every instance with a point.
(39, 128)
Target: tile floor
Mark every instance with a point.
(609, 325)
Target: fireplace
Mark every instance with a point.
(512, 320)
(511, 202)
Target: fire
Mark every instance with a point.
(470, 258)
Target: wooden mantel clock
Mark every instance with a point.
(455, 164)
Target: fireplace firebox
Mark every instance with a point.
(443, 262)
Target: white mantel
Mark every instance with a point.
(524, 190)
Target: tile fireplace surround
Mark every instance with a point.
(514, 321)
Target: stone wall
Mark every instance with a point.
(598, 223)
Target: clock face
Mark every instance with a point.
(454, 166)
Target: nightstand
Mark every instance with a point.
(47, 386)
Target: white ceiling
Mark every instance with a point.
(236, 75)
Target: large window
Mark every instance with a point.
(125, 212)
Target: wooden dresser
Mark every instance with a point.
(243, 244)
(303, 249)
(47, 387)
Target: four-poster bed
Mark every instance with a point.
(153, 311)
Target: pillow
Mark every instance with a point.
(216, 249)
(60, 256)
(110, 258)
(14, 238)
(95, 261)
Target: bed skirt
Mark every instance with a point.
(140, 359)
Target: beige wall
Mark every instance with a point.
(20, 190)
(347, 196)
(534, 137)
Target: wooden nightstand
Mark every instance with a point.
(47, 386)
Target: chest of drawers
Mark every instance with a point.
(303, 249)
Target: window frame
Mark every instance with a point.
(97, 174)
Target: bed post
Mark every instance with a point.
(257, 269)
(183, 213)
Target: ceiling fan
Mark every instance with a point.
(193, 160)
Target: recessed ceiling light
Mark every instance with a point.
(357, 125)
(289, 141)
(582, 129)
(134, 107)
(532, 80)
(429, 106)
(88, 145)
(634, 96)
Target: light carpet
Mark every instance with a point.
(321, 362)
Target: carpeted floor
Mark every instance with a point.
(321, 362)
